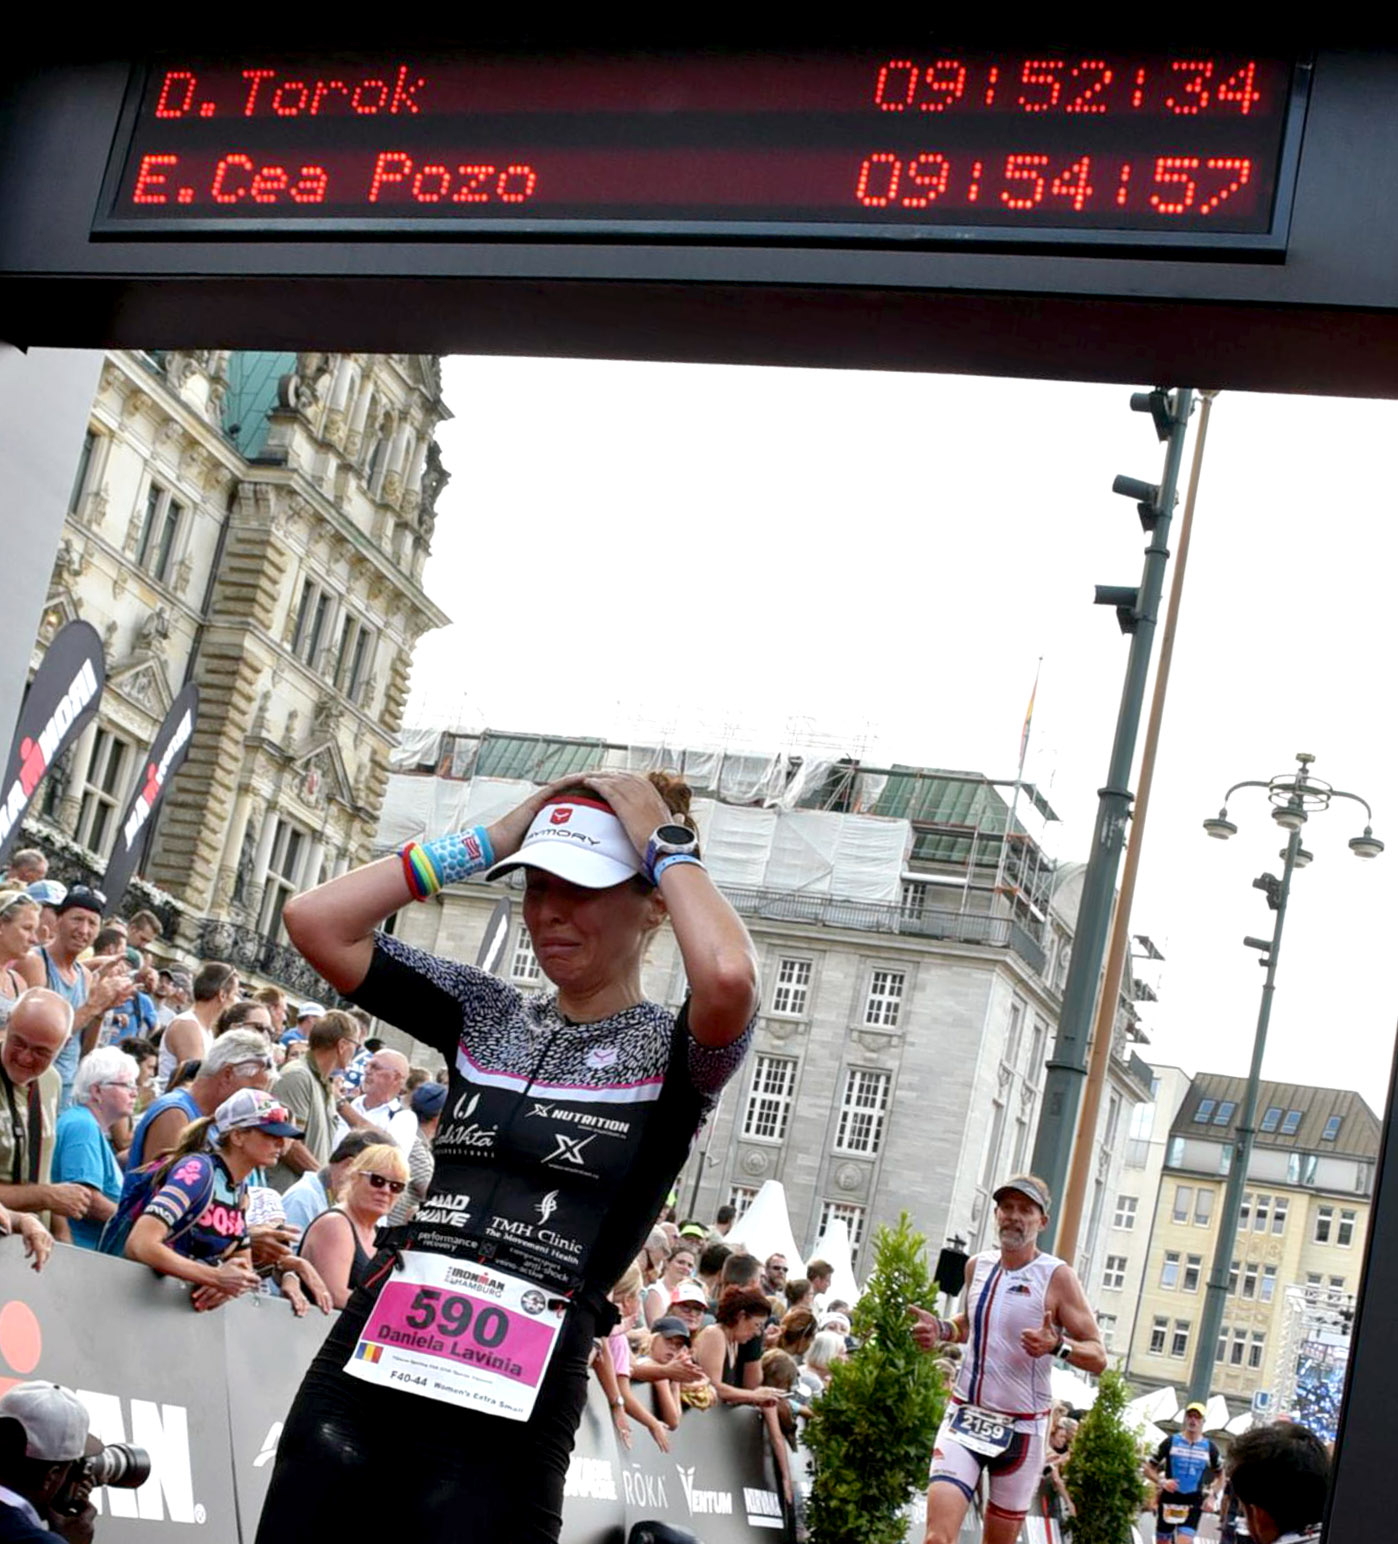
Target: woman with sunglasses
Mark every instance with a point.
(341, 1242)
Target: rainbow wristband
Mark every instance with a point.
(445, 860)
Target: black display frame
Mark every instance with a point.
(1270, 245)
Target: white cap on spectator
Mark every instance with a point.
(54, 1421)
(310, 1011)
(690, 1292)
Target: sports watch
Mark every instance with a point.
(669, 842)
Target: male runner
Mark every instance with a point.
(1183, 1465)
(1020, 1310)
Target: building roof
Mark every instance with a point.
(1298, 1116)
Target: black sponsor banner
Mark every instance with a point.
(62, 697)
(206, 1394)
(150, 1372)
(162, 761)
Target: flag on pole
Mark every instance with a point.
(1029, 717)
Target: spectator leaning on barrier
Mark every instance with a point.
(341, 1242)
(103, 1093)
(1280, 1475)
(306, 1088)
(194, 1224)
(428, 1102)
(239, 1059)
(313, 1193)
(43, 1492)
(741, 1316)
(39, 1027)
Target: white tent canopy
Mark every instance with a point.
(1158, 1405)
(1069, 1389)
(765, 1228)
(834, 1248)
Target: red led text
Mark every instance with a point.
(396, 178)
(236, 179)
(270, 94)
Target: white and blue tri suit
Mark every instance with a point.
(1190, 1465)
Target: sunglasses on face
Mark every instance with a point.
(381, 1182)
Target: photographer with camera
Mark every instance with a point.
(44, 1483)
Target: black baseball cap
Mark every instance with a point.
(85, 897)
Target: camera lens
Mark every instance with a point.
(119, 1464)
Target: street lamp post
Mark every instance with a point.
(1294, 798)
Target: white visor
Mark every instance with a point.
(581, 841)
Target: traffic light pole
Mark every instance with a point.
(1137, 610)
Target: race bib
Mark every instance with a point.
(466, 1334)
(982, 1431)
(1174, 1514)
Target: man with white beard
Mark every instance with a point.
(1021, 1310)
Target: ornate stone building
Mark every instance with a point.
(256, 523)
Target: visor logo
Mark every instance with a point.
(562, 815)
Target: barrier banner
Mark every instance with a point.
(206, 1395)
(62, 697)
(150, 1372)
(162, 761)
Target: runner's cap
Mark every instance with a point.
(671, 1328)
(1026, 1185)
(581, 841)
(250, 1109)
(54, 1421)
(1195, 1408)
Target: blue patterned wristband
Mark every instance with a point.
(674, 857)
(459, 855)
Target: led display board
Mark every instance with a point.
(910, 145)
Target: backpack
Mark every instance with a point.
(140, 1187)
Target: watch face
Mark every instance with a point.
(676, 836)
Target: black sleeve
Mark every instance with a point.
(1215, 1458)
(1162, 1454)
(430, 998)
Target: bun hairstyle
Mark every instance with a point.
(677, 795)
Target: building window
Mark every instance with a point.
(1174, 1157)
(1255, 1349)
(1125, 1216)
(1203, 1207)
(1233, 1278)
(1269, 1283)
(1344, 1236)
(1239, 1347)
(1192, 1266)
(1016, 1029)
(353, 657)
(155, 552)
(1225, 1157)
(1159, 1330)
(312, 616)
(104, 785)
(1250, 1271)
(1170, 1271)
(1337, 1283)
(862, 1111)
(1106, 1322)
(283, 876)
(1225, 1112)
(1301, 1168)
(1245, 1212)
(740, 1197)
(1179, 1340)
(914, 900)
(1221, 1348)
(1035, 1069)
(1184, 1200)
(885, 998)
(1114, 1272)
(1332, 1128)
(1324, 1220)
(1272, 1119)
(86, 457)
(1261, 1212)
(843, 1211)
(1205, 1110)
(793, 987)
(769, 1102)
(1292, 1124)
(524, 965)
(1280, 1207)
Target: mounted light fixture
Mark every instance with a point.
(1366, 846)
(1220, 827)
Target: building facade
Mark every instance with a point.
(900, 1046)
(256, 523)
(1304, 1223)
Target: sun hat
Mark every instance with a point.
(250, 1109)
(1026, 1185)
(54, 1421)
(581, 841)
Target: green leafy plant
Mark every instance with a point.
(1103, 1472)
(872, 1432)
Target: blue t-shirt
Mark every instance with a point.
(82, 1155)
(304, 1201)
(222, 1224)
(180, 1099)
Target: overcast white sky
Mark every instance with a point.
(785, 559)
